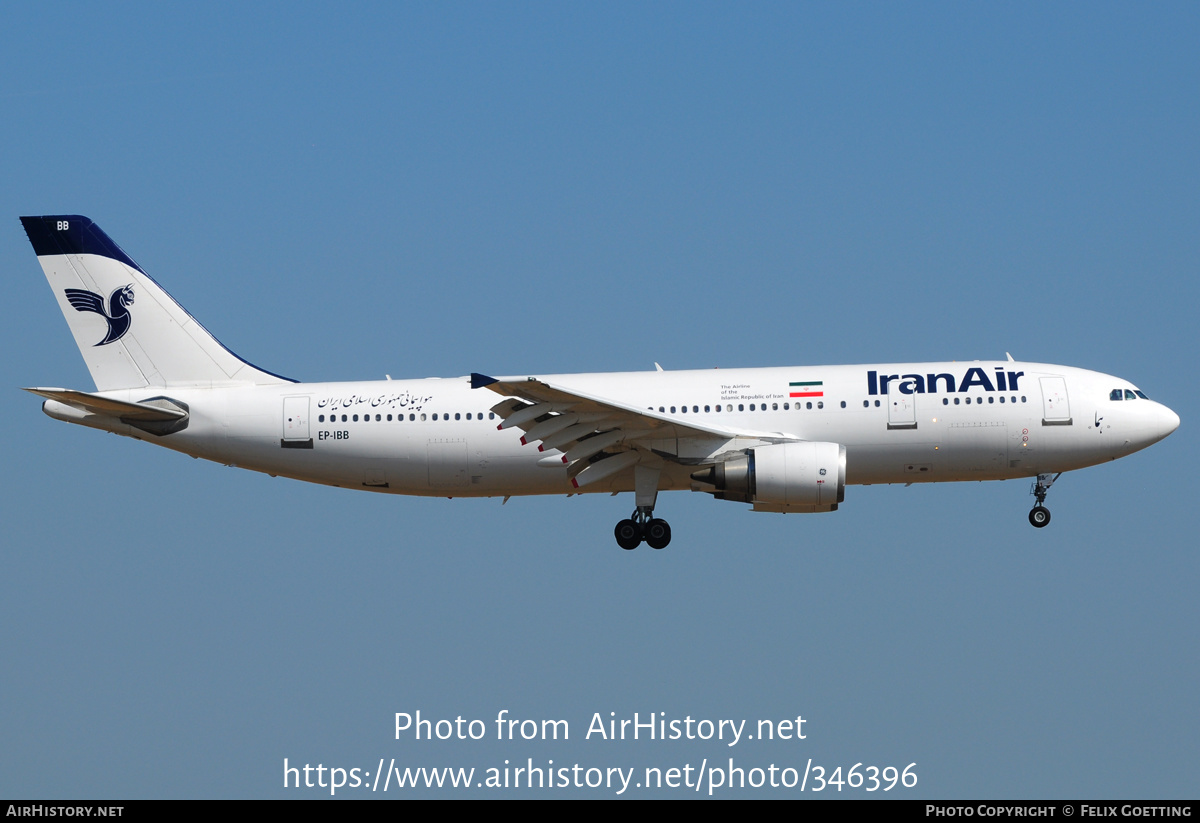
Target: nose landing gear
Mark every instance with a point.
(1039, 515)
(642, 525)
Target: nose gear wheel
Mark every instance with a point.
(1039, 515)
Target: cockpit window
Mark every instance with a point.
(1129, 395)
(1115, 394)
(1141, 394)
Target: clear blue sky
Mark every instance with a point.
(435, 189)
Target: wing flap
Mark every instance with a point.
(550, 412)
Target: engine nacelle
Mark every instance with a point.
(785, 477)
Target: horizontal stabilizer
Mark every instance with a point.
(96, 404)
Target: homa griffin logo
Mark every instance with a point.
(117, 315)
(933, 383)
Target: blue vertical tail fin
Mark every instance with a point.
(131, 333)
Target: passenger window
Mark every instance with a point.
(356, 418)
(321, 419)
(945, 401)
(672, 410)
(991, 399)
(706, 409)
(808, 405)
(956, 401)
(820, 404)
(423, 417)
(876, 404)
(843, 404)
(457, 416)
(774, 407)
(867, 403)
(741, 406)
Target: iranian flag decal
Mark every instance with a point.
(807, 388)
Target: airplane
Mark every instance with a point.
(779, 439)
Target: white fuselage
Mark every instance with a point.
(899, 423)
(780, 439)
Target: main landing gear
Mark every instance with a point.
(642, 525)
(1039, 515)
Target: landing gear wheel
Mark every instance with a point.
(658, 534)
(1039, 517)
(629, 535)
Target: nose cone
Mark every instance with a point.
(1149, 422)
(1168, 421)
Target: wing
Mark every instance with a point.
(591, 430)
(84, 300)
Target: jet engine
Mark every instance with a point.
(785, 477)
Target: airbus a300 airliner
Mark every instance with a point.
(779, 439)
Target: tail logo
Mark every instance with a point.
(117, 315)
